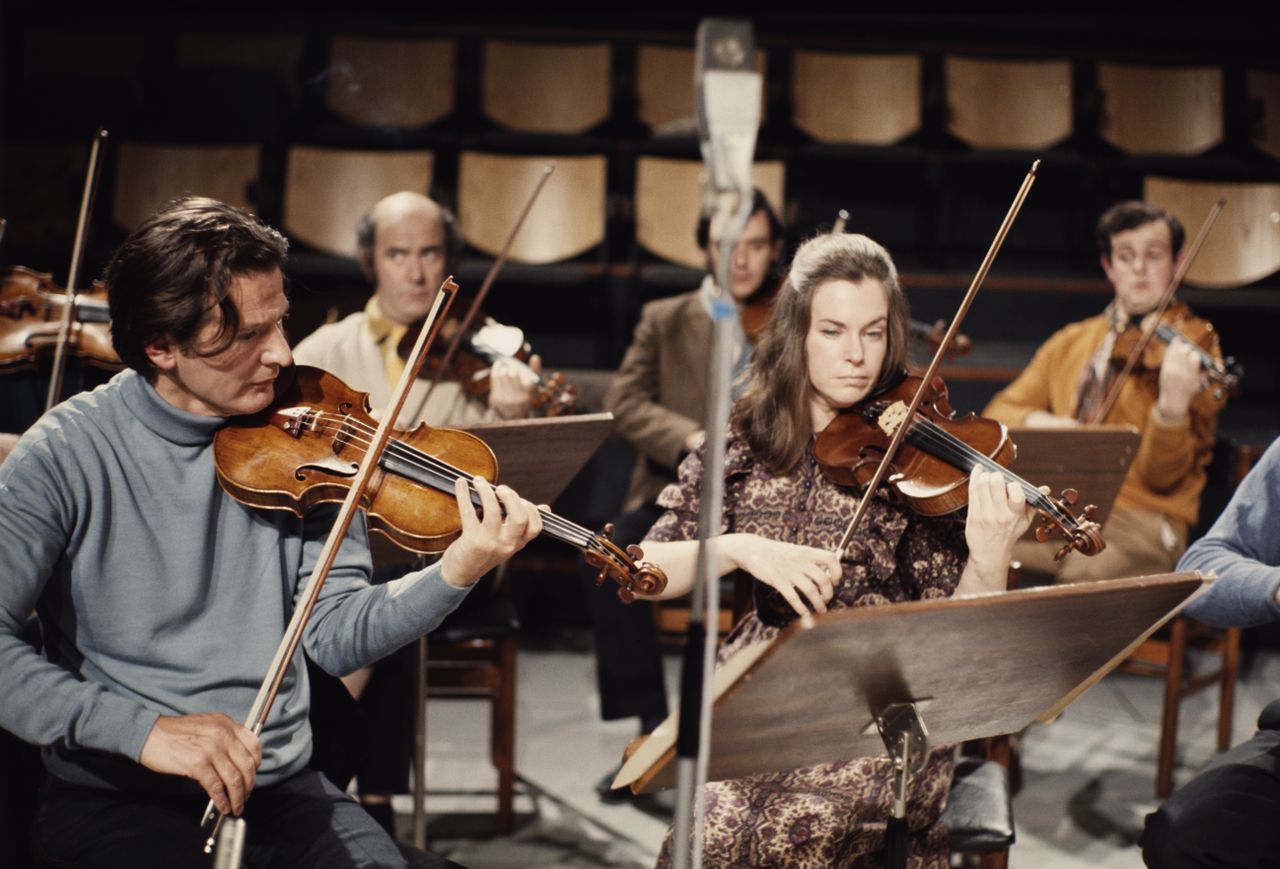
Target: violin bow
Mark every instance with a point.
(73, 273)
(887, 460)
(288, 647)
(483, 292)
(1153, 318)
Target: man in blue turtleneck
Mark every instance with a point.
(162, 599)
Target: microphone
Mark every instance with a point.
(727, 88)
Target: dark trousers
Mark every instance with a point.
(1227, 815)
(628, 659)
(302, 821)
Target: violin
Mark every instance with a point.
(931, 468)
(1177, 323)
(932, 335)
(306, 447)
(476, 352)
(757, 309)
(31, 311)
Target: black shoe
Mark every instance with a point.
(606, 792)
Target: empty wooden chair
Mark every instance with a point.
(390, 82)
(1019, 104)
(669, 200)
(1244, 245)
(567, 221)
(665, 101)
(546, 88)
(149, 175)
(1264, 88)
(327, 190)
(1161, 110)
(862, 99)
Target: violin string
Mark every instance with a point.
(951, 449)
(954, 450)
(567, 530)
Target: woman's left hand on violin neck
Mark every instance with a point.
(998, 515)
(512, 386)
(507, 524)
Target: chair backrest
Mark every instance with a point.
(864, 99)
(148, 176)
(1244, 245)
(1161, 110)
(1008, 103)
(669, 201)
(326, 190)
(548, 87)
(280, 53)
(567, 220)
(390, 82)
(665, 99)
(1264, 87)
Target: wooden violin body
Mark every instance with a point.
(932, 466)
(31, 309)
(476, 351)
(1178, 323)
(304, 450)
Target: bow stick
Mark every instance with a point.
(1153, 318)
(456, 341)
(73, 273)
(885, 462)
(288, 647)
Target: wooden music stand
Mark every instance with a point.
(1092, 460)
(972, 667)
(537, 458)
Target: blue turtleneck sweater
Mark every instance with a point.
(159, 594)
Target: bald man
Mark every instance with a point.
(406, 244)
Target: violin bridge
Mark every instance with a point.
(892, 418)
(294, 420)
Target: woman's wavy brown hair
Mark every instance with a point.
(773, 413)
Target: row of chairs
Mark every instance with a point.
(326, 190)
(844, 98)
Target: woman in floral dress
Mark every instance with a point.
(838, 331)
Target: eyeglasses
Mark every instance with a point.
(1131, 258)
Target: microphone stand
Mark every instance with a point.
(733, 198)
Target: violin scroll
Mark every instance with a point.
(633, 574)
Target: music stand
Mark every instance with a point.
(537, 458)
(1092, 460)
(968, 668)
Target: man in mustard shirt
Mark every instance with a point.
(1140, 246)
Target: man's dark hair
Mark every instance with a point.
(367, 228)
(759, 204)
(1130, 215)
(175, 268)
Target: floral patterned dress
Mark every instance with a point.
(833, 814)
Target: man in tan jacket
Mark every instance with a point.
(1140, 247)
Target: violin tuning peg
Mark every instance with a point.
(625, 594)
(1070, 496)
(1090, 513)
(635, 552)
(1042, 533)
(608, 531)
(1062, 553)
(600, 577)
